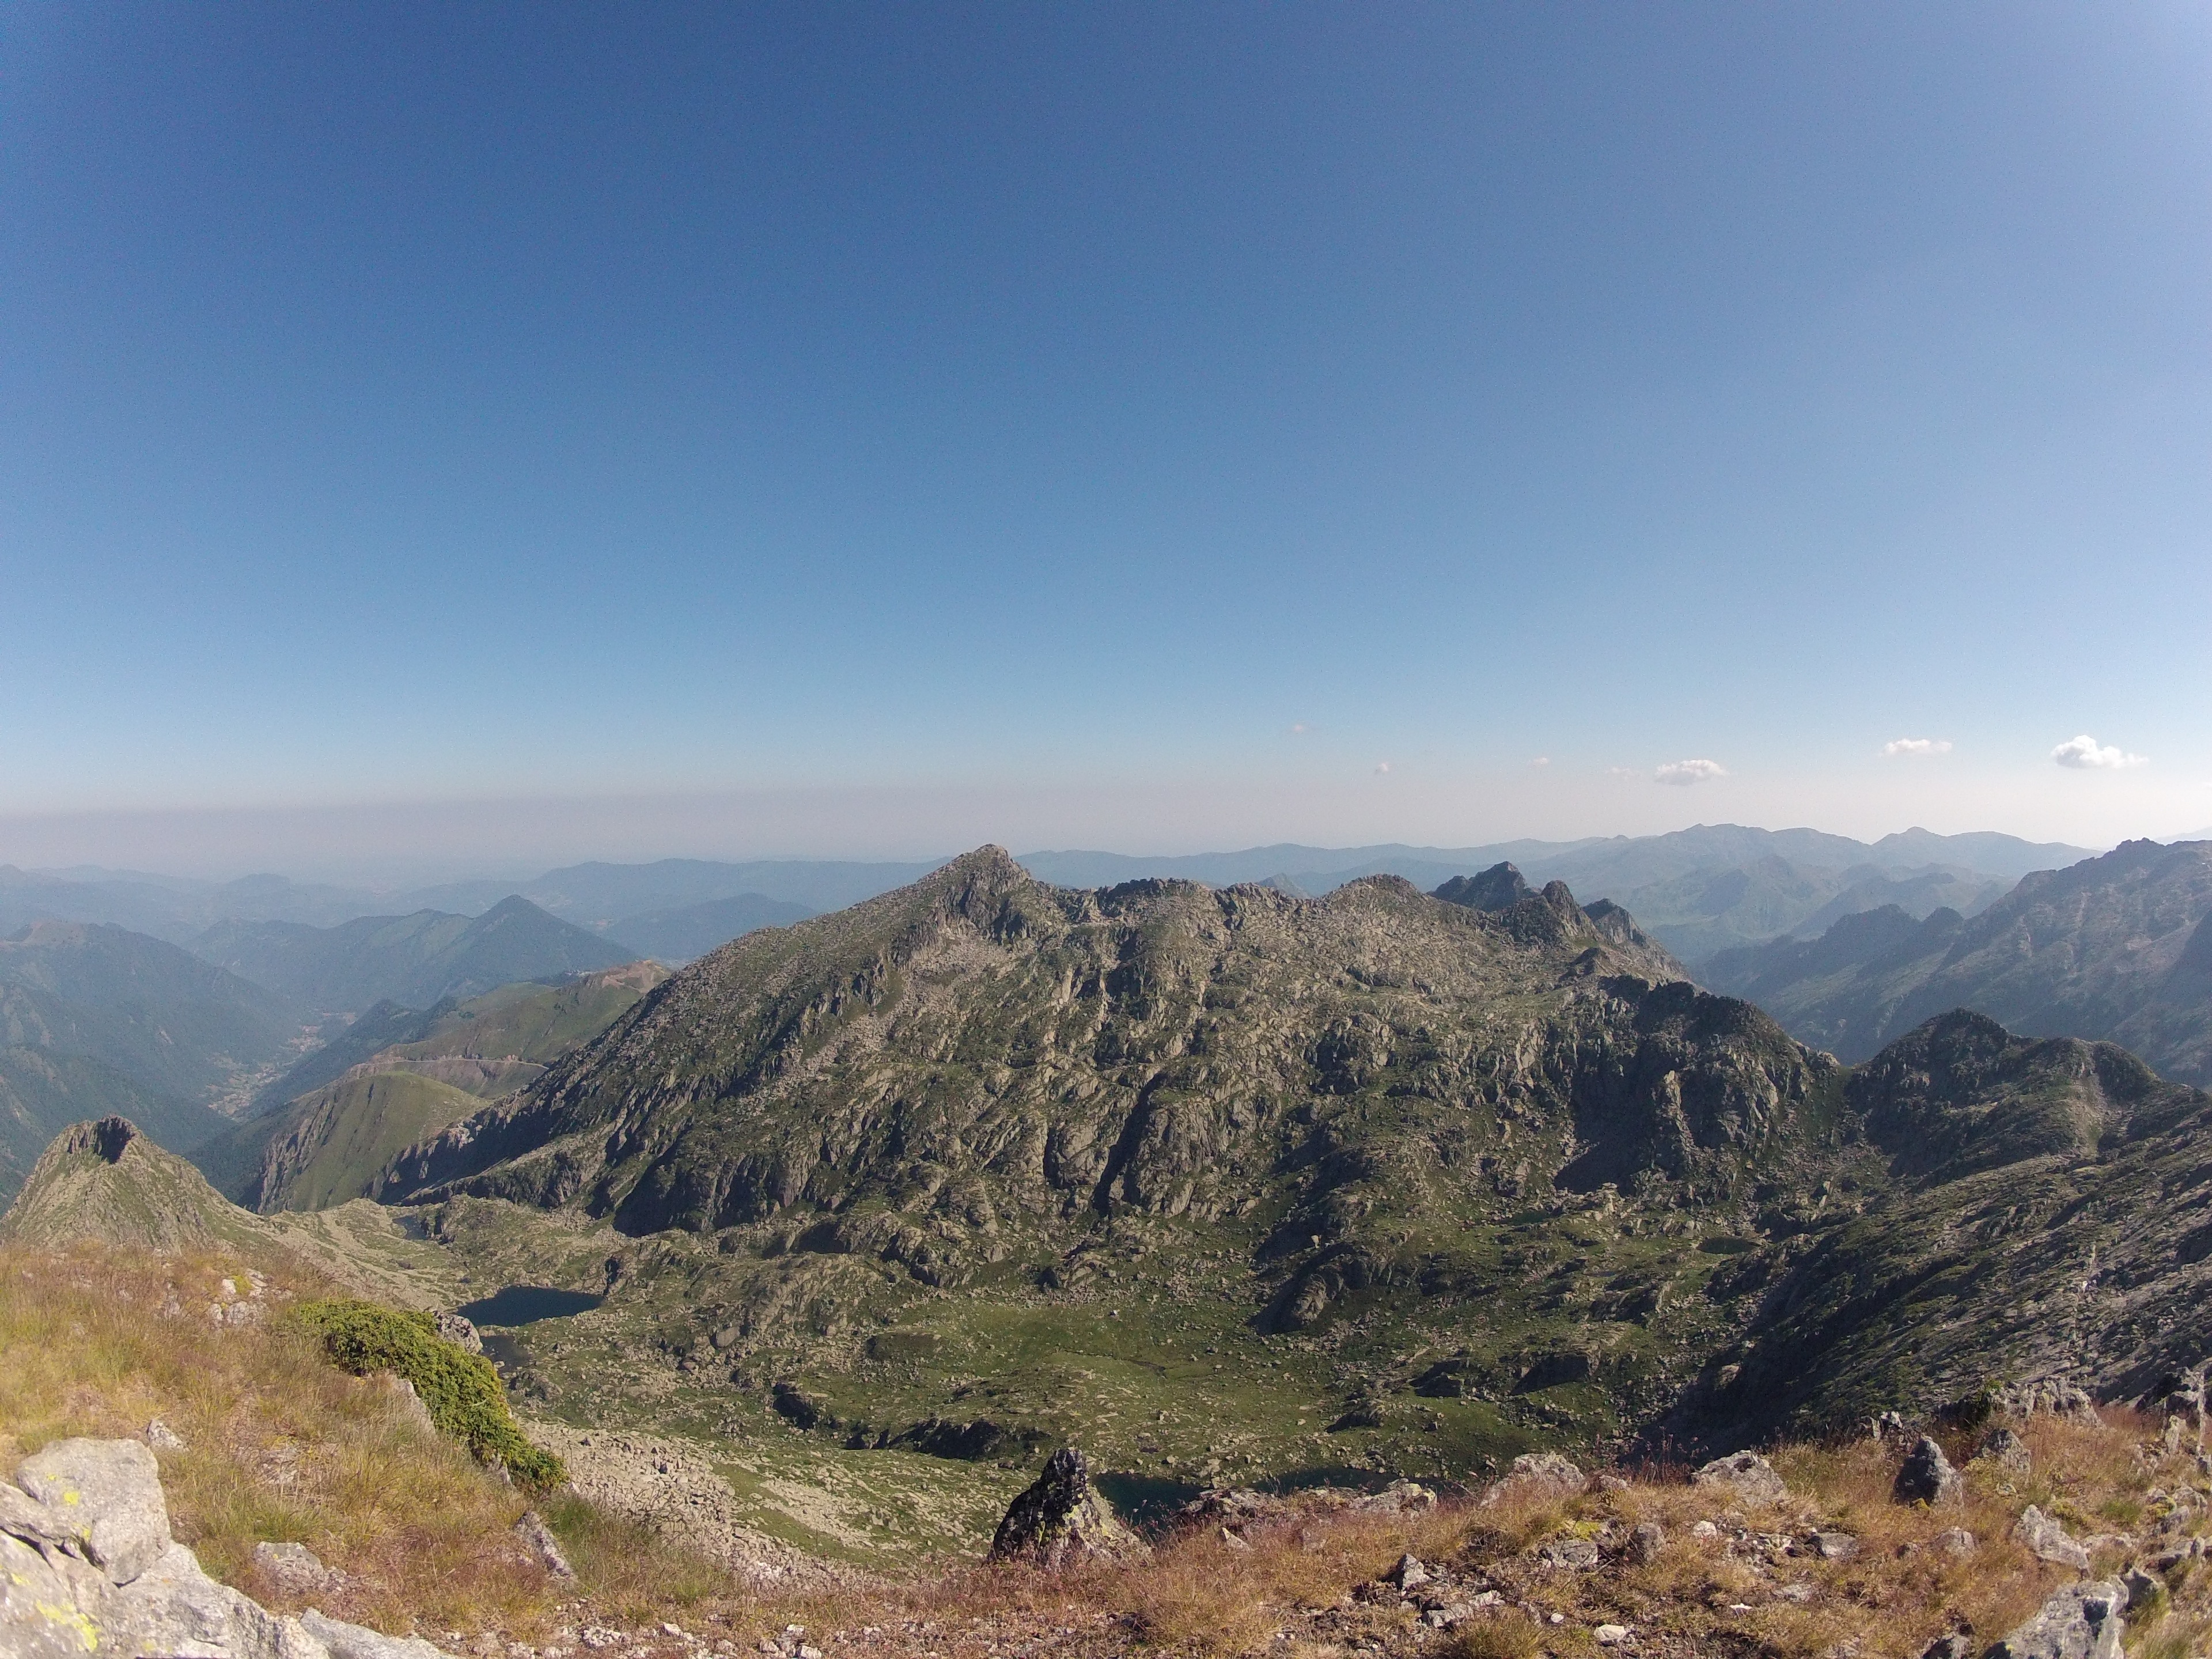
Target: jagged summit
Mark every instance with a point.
(1496, 889)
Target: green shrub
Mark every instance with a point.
(461, 1389)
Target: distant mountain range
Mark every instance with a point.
(1700, 890)
(2117, 947)
(165, 907)
(96, 1019)
(416, 960)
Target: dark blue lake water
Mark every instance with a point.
(525, 1304)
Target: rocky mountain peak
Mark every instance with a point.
(1498, 888)
(106, 1138)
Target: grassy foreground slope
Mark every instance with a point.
(279, 1446)
(328, 1146)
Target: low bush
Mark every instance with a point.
(461, 1389)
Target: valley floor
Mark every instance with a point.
(262, 1442)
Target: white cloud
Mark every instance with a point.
(2086, 754)
(1541, 760)
(1687, 772)
(1381, 766)
(1299, 728)
(1917, 746)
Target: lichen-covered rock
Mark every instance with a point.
(40, 1613)
(1926, 1476)
(88, 1566)
(1746, 1474)
(2084, 1621)
(2007, 1450)
(109, 1493)
(1060, 1521)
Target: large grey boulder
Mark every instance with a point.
(174, 1608)
(1746, 1474)
(110, 1492)
(2084, 1621)
(1060, 1521)
(88, 1566)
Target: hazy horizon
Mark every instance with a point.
(396, 847)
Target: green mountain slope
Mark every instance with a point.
(95, 1020)
(328, 1146)
(415, 960)
(2046, 1218)
(1233, 1184)
(42, 1093)
(2106, 949)
(175, 1024)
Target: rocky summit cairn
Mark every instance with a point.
(1060, 1521)
(1926, 1476)
(87, 1565)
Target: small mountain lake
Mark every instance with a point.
(525, 1304)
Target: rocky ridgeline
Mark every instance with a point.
(991, 1086)
(87, 1565)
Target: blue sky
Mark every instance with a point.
(1110, 425)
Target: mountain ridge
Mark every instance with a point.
(2107, 948)
(415, 960)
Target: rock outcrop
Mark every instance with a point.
(1061, 1521)
(1745, 1473)
(2084, 1621)
(88, 1566)
(1926, 1476)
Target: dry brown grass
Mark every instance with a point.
(1290, 1592)
(279, 1445)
